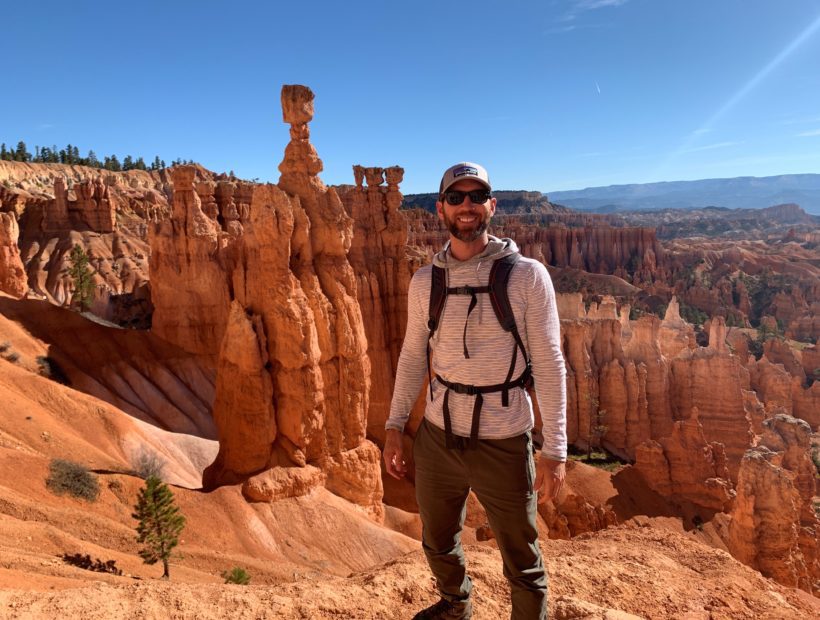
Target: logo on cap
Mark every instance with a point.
(465, 170)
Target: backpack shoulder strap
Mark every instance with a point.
(438, 292)
(499, 278)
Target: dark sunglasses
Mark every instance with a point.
(477, 196)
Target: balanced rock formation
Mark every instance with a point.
(255, 279)
(12, 274)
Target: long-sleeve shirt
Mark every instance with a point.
(532, 298)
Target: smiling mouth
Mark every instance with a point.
(467, 219)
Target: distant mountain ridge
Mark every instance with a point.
(509, 202)
(734, 193)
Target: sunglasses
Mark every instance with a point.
(477, 196)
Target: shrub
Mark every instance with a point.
(236, 575)
(72, 478)
(49, 368)
(148, 463)
(5, 346)
(96, 565)
(12, 357)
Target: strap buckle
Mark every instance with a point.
(461, 388)
(461, 290)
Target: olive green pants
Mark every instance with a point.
(501, 473)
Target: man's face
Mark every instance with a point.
(467, 221)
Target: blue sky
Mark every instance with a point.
(548, 94)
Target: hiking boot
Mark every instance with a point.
(461, 610)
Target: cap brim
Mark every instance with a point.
(466, 177)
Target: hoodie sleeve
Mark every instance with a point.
(412, 366)
(548, 369)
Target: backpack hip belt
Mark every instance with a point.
(497, 290)
(457, 442)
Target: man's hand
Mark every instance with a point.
(394, 454)
(549, 478)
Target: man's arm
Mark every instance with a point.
(549, 372)
(409, 373)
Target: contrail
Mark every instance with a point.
(598, 87)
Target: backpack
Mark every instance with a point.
(500, 301)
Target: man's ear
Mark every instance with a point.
(492, 206)
(440, 209)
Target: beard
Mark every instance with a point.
(478, 228)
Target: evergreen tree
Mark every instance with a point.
(92, 160)
(69, 154)
(139, 164)
(115, 164)
(128, 163)
(157, 164)
(160, 523)
(63, 157)
(82, 276)
(75, 154)
(3, 152)
(21, 154)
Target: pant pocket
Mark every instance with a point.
(530, 464)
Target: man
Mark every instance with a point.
(476, 432)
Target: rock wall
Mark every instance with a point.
(12, 274)
(773, 526)
(383, 265)
(685, 468)
(626, 252)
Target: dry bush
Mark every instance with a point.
(72, 478)
(148, 463)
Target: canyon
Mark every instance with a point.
(276, 316)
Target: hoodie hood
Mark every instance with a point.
(496, 248)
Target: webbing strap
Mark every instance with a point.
(452, 442)
(448, 426)
(479, 400)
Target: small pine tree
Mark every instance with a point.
(237, 575)
(82, 276)
(160, 523)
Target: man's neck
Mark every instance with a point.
(465, 250)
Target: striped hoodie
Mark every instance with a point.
(490, 349)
